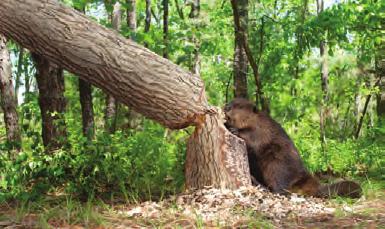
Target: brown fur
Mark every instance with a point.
(274, 160)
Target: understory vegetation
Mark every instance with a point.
(142, 160)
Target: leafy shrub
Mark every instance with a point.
(139, 165)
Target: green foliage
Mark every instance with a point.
(139, 165)
(147, 161)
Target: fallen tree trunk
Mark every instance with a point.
(136, 77)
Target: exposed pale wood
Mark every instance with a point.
(215, 157)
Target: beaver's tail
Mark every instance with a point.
(342, 188)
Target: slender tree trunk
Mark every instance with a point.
(27, 82)
(85, 96)
(324, 87)
(148, 16)
(148, 19)
(50, 81)
(134, 118)
(165, 28)
(111, 103)
(136, 76)
(85, 93)
(300, 37)
(260, 97)
(194, 14)
(131, 16)
(380, 75)
(18, 73)
(179, 9)
(240, 57)
(324, 83)
(7, 96)
(362, 116)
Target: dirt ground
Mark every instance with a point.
(362, 214)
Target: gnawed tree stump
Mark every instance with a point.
(137, 77)
(215, 157)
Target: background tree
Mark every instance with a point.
(8, 98)
(324, 80)
(194, 15)
(50, 81)
(19, 72)
(147, 19)
(85, 95)
(240, 58)
(111, 103)
(260, 97)
(380, 75)
(165, 28)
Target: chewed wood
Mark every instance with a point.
(215, 157)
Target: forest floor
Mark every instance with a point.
(208, 208)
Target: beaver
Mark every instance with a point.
(273, 158)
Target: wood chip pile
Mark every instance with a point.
(224, 206)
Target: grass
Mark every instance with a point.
(67, 211)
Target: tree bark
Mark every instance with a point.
(85, 96)
(148, 16)
(85, 93)
(134, 118)
(18, 73)
(7, 96)
(240, 57)
(27, 82)
(165, 28)
(324, 88)
(260, 97)
(131, 16)
(50, 81)
(220, 161)
(194, 14)
(148, 19)
(111, 111)
(380, 75)
(136, 76)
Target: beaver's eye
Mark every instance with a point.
(227, 107)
